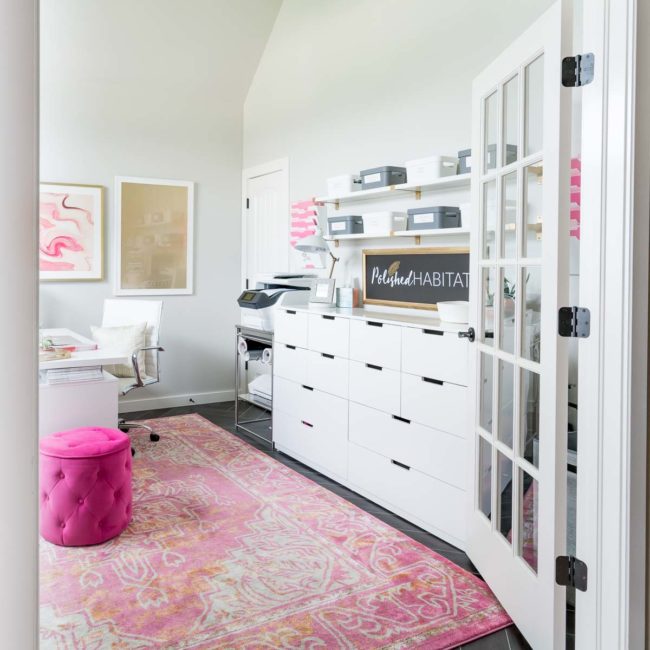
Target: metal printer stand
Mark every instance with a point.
(266, 338)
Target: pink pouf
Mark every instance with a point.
(85, 485)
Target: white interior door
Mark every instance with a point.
(519, 279)
(265, 233)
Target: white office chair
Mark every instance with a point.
(122, 312)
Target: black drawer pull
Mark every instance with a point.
(328, 317)
(402, 465)
(438, 382)
(400, 419)
(290, 311)
(372, 366)
(373, 323)
(327, 356)
(436, 332)
(307, 387)
(290, 347)
(307, 424)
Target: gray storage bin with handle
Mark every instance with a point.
(349, 224)
(382, 177)
(433, 218)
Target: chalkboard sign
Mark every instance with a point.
(415, 277)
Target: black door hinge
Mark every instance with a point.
(577, 70)
(571, 572)
(574, 322)
(248, 204)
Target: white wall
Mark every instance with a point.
(18, 316)
(347, 85)
(155, 88)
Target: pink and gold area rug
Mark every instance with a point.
(228, 548)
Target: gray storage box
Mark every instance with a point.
(382, 177)
(464, 161)
(349, 224)
(511, 155)
(433, 218)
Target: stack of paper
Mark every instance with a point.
(69, 375)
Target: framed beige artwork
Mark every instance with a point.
(155, 244)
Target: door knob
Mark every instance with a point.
(470, 335)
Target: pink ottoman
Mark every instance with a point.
(85, 483)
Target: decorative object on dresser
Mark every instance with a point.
(377, 402)
(415, 277)
(322, 291)
(155, 242)
(70, 231)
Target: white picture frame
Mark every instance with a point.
(71, 232)
(154, 237)
(322, 291)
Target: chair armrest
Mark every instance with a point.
(136, 364)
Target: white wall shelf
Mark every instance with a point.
(444, 183)
(417, 234)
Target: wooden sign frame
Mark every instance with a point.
(370, 252)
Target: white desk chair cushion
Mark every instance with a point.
(123, 339)
(124, 311)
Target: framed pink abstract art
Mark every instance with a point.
(70, 232)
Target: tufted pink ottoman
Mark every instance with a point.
(85, 483)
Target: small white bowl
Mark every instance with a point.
(454, 311)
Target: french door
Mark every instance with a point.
(519, 279)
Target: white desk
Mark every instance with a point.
(78, 404)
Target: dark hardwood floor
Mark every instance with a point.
(223, 415)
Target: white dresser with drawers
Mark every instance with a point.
(378, 402)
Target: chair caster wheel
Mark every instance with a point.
(124, 429)
(154, 437)
(132, 451)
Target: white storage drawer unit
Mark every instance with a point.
(290, 362)
(435, 354)
(434, 403)
(379, 404)
(375, 386)
(291, 327)
(329, 334)
(328, 373)
(312, 424)
(436, 505)
(375, 342)
(437, 454)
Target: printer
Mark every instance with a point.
(272, 290)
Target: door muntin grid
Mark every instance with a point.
(510, 310)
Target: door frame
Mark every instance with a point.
(611, 525)
(248, 173)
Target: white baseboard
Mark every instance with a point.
(169, 401)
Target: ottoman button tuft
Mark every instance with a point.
(61, 475)
(63, 524)
(80, 500)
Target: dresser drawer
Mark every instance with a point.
(376, 343)
(318, 438)
(328, 373)
(291, 327)
(438, 505)
(290, 362)
(292, 398)
(329, 334)
(437, 354)
(434, 453)
(440, 405)
(308, 403)
(375, 386)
